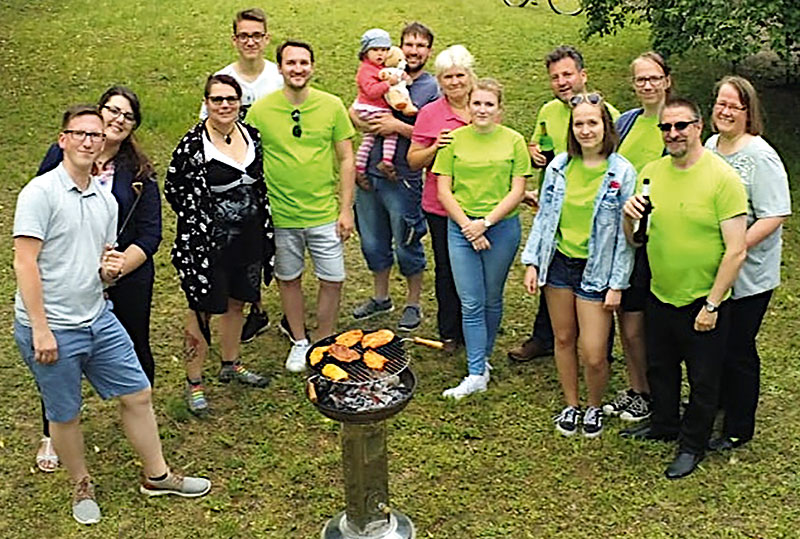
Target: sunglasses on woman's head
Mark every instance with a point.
(594, 99)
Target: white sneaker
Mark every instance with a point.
(296, 362)
(474, 383)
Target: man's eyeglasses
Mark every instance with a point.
(297, 131)
(218, 99)
(594, 99)
(655, 81)
(243, 37)
(721, 105)
(79, 135)
(117, 112)
(679, 126)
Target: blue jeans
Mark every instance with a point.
(480, 278)
(391, 210)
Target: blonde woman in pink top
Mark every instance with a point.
(432, 130)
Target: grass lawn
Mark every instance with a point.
(488, 467)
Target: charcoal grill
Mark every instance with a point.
(367, 513)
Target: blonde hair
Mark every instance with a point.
(489, 85)
(455, 56)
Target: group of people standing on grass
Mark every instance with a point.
(269, 172)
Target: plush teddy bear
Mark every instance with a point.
(397, 96)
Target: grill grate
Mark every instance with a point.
(358, 371)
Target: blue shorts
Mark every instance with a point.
(566, 272)
(102, 351)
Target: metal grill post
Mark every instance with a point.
(366, 476)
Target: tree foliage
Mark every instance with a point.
(727, 29)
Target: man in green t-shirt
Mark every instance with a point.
(304, 133)
(696, 245)
(568, 77)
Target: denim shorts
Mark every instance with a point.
(566, 272)
(324, 245)
(102, 351)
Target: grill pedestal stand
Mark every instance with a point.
(366, 485)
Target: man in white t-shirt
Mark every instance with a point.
(256, 75)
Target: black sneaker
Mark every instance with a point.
(567, 421)
(411, 318)
(593, 422)
(637, 410)
(373, 307)
(619, 403)
(256, 323)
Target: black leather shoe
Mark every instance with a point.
(645, 432)
(683, 465)
(529, 350)
(725, 443)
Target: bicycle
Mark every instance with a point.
(562, 7)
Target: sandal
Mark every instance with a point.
(46, 458)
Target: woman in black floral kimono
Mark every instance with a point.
(224, 240)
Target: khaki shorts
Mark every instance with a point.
(324, 246)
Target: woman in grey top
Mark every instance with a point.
(736, 118)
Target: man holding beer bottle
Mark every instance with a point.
(567, 78)
(696, 245)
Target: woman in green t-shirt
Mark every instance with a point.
(577, 251)
(641, 142)
(481, 182)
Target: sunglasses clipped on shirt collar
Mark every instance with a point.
(297, 131)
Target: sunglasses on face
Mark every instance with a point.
(218, 99)
(297, 131)
(78, 135)
(594, 99)
(679, 126)
(116, 112)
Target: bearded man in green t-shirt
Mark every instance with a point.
(304, 131)
(696, 245)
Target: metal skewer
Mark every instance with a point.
(138, 188)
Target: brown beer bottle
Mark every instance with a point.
(640, 236)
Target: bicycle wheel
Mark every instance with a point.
(566, 7)
(515, 3)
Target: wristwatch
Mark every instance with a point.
(710, 307)
(487, 223)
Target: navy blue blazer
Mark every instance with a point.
(144, 228)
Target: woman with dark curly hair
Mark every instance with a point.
(224, 240)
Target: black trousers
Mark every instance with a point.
(132, 307)
(741, 371)
(671, 338)
(448, 315)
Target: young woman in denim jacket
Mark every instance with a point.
(577, 251)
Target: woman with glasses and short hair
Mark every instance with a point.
(641, 142)
(224, 238)
(736, 119)
(124, 170)
(578, 254)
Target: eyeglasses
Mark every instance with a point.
(594, 99)
(79, 135)
(297, 131)
(679, 126)
(641, 82)
(116, 112)
(721, 105)
(218, 99)
(243, 37)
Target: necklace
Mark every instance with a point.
(225, 136)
